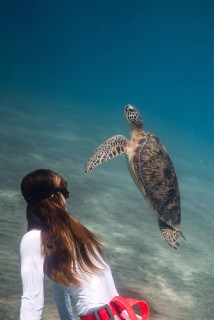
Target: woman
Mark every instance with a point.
(58, 245)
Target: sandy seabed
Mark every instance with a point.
(177, 285)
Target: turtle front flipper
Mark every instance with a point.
(106, 151)
(170, 235)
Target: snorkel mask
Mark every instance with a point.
(37, 197)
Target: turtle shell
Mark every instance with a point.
(156, 178)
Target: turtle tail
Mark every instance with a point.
(182, 235)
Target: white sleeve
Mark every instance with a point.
(32, 301)
(62, 301)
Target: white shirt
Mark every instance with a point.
(97, 288)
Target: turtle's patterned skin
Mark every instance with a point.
(151, 169)
(108, 150)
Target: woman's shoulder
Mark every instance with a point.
(31, 257)
(32, 234)
(31, 241)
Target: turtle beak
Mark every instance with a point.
(126, 111)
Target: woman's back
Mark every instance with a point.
(96, 290)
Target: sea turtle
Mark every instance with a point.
(151, 169)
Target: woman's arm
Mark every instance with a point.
(32, 301)
(62, 301)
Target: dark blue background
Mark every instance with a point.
(104, 54)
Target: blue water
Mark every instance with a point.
(67, 70)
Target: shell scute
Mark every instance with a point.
(157, 179)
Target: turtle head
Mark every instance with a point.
(133, 118)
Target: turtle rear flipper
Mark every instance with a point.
(107, 150)
(170, 235)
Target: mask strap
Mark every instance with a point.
(46, 194)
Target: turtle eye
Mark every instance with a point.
(129, 108)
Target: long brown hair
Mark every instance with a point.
(66, 244)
